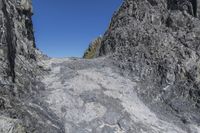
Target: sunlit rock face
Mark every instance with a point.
(157, 43)
(93, 49)
(26, 5)
(91, 96)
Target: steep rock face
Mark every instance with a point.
(157, 43)
(17, 41)
(20, 107)
(93, 49)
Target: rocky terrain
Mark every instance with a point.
(93, 49)
(21, 110)
(91, 96)
(146, 78)
(157, 44)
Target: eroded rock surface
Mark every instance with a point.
(93, 49)
(90, 96)
(157, 43)
(147, 82)
(21, 110)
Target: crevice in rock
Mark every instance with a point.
(28, 24)
(189, 5)
(11, 42)
(194, 4)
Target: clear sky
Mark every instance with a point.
(64, 28)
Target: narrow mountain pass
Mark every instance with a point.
(89, 96)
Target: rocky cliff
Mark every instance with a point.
(146, 78)
(157, 43)
(93, 49)
(20, 108)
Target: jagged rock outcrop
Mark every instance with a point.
(21, 110)
(17, 42)
(157, 43)
(93, 49)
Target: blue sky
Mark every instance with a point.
(64, 28)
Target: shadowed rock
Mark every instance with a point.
(185, 5)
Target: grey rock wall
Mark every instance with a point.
(157, 43)
(20, 107)
(17, 40)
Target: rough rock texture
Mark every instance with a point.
(148, 81)
(21, 110)
(16, 43)
(90, 96)
(157, 43)
(93, 49)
